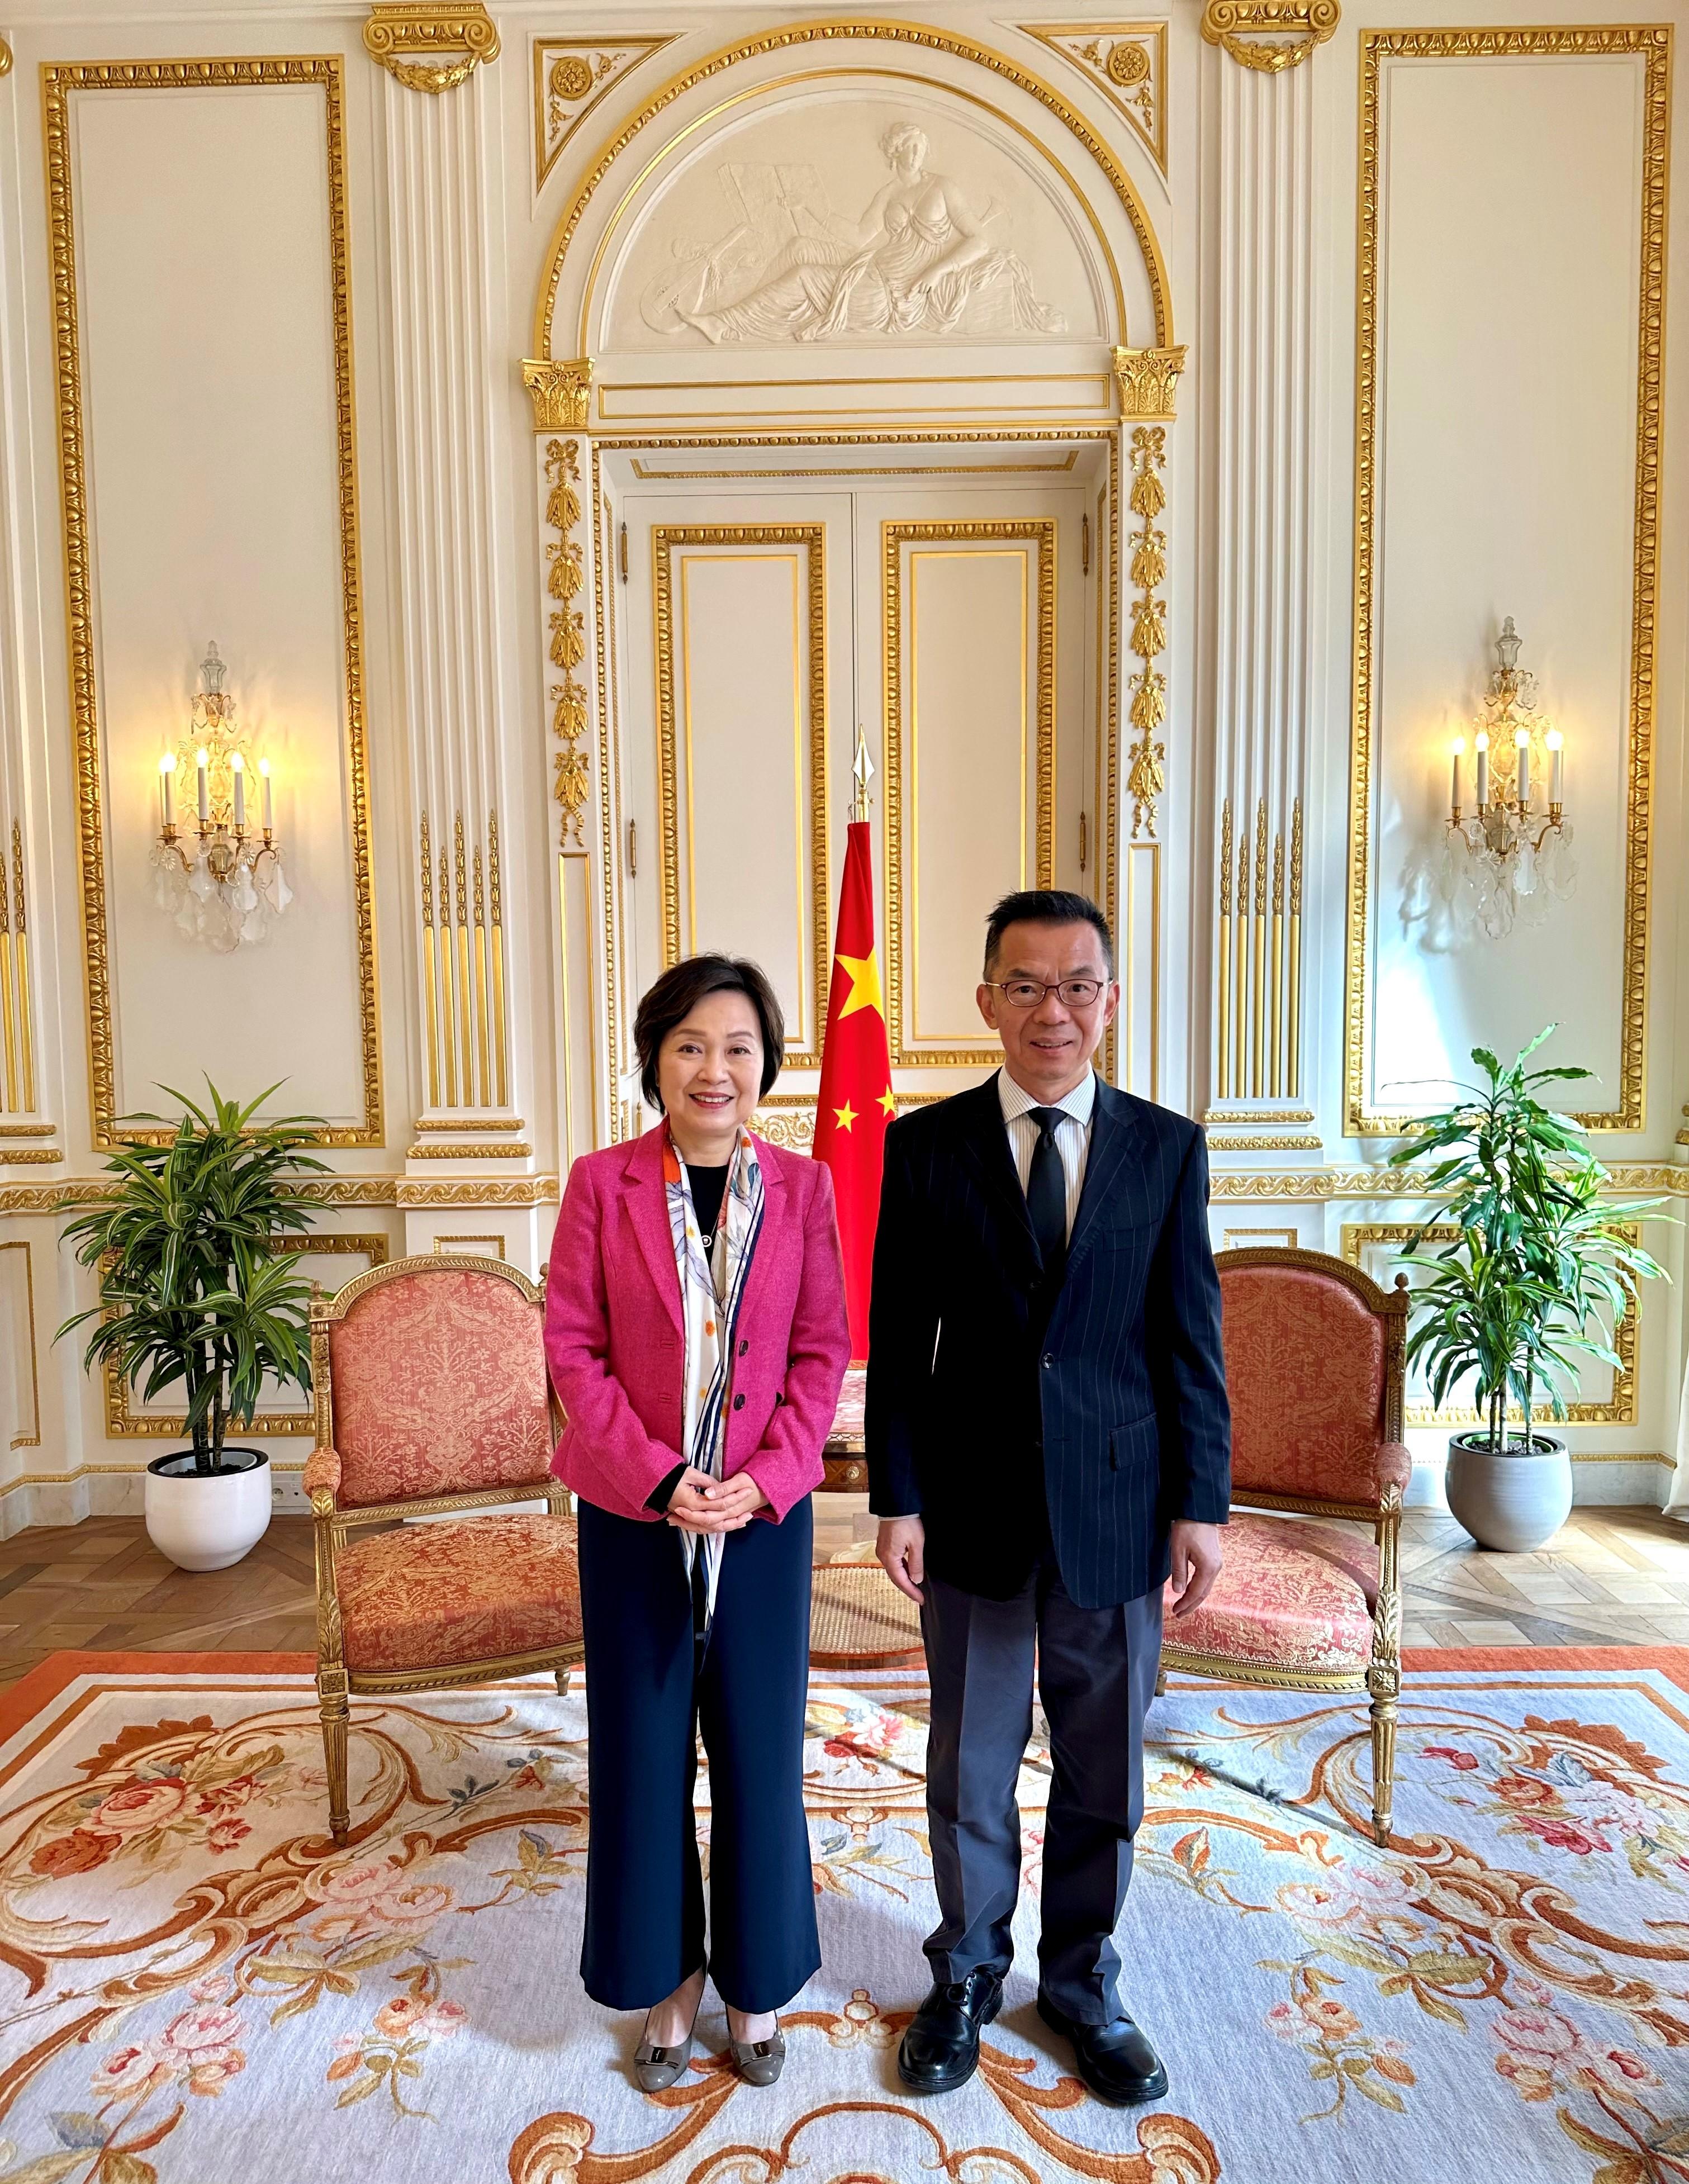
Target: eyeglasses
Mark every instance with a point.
(1028, 992)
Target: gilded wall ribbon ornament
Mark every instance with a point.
(565, 576)
(430, 48)
(1235, 25)
(5, 58)
(1146, 571)
(559, 393)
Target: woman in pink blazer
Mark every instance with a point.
(695, 1329)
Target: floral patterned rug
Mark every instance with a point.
(198, 1987)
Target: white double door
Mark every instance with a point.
(952, 621)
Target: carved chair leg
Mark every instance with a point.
(336, 1715)
(563, 1676)
(1161, 1683)
(1384, 1764)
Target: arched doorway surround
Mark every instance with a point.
(863, 336)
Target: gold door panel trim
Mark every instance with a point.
(791, 36)
(59, 81)
(809, 539)
(1652, 42)
(1039, 531)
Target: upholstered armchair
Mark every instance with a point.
(1315, 1365)
(432, 1400)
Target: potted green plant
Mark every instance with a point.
(1538, 1276)
(195, 1291)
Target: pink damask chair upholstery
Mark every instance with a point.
(432, 1400)
(1315, 1365)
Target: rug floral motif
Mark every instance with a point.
(197, 1985)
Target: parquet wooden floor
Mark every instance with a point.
(1613, 1577)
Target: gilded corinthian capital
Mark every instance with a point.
(560, 393)
(1146, 378)
(427, 48)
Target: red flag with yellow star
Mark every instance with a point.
(855, 1103)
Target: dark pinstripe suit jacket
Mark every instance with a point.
(991, 1402)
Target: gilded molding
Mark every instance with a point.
(1146, 379)
(430, 48)
(1235, 26)
(123, 1424)
(1126, 62)
(1224, 1143)
(494, 1190)
(571, 75)
(1041, 531)
(1146, 498)
(811, 538)
(58, 81)
(5, 70)
(565, 577)
(790, 36)
(1620, 1407)
(1652, 42)
(470, 1150)
(475, 1123)
(561, 394)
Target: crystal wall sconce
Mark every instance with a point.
(226, 887)
(1509, 859)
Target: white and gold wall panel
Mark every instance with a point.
(740, 632)
(1510, 321)
(203, 341)
(970, 803)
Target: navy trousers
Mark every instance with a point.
(648, 1697)
(1096, 1675)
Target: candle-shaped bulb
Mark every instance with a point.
(167, 766)
(1556, 767)
(1458, 751)
(1483, 768)
(202, 759)
(269, 796)
(237, 767)
(1522, 745)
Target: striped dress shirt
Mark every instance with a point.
(1073, 1132)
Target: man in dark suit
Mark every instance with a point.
(1048, 1436)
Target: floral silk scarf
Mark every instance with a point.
(712, 1291)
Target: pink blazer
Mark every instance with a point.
(614, 1340)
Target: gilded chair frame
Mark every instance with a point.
(1381, 1679)
(332, 1525)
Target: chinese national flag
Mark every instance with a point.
(855, 1103)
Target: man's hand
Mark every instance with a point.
(901, 1547)
(701, 1503)
(1196, 1559)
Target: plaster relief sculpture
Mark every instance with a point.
(920, 262)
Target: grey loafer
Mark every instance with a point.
(759, 2062)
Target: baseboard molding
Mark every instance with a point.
(1598, 1481)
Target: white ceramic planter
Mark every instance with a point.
(206, 1524)
(1512, 1504)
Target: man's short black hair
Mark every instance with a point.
(1045, 906)
(678, 992)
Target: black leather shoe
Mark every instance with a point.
(1116, 2060)
(941, 2048)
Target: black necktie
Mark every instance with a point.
(1046, 1196)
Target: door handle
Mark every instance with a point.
(632, 848)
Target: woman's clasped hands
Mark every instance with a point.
(701, 1503)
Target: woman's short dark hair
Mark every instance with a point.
(678, 992)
